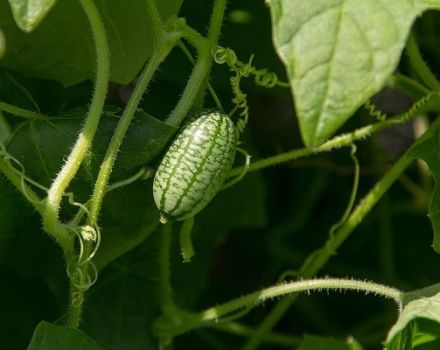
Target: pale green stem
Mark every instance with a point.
(210, 88)
(318, 259)
(77, 155)
(215, 314)
(118, 136)
(186, 245)
(163, 43)
(336, 142)
(203, 64)
(84, 141)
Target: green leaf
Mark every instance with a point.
(419, 321)
(126, 299)
(41, 146)
(338, 53)
(12, 214)
(240, 207)
(428, 149)
(129, 215)
(29, 13)
(324, 343)
(51, 337)
(62, 47)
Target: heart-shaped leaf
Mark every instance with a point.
(42, 145)
(338, 53)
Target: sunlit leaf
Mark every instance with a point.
(338, 53)
(419, 321)
(29, 13)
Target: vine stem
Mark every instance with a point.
(336, 142)
(84, 141)
(203, 64)
(20, 112)
(77, 155)
(215, 314)
(163, 44)
(120, 131)
(316, 260)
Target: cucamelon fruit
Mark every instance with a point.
(195, 166)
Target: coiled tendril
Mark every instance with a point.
(412, 112)
(262, 77)
(81, 271)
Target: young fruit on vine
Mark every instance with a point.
(195, 167)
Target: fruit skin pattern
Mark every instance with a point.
(195, 166)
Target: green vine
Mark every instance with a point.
(222, 313)
(85, 137)
(341, 140)
(203, 64)
(317, 259)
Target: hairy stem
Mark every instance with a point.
(163, 43)
(319, 258)
(118, 136)
(336, 142)
(202, 67)
(215, 314)
(74, 160)
(84, 141)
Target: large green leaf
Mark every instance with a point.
(419, 321)
(51, 337)
(62, 47)
(128, 213)
(338, 53)
(428, 149)
(41, 146)
(128, 216)
(29, 13)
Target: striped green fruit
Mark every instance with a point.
(195, 166)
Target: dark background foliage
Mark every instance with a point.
(246, 238)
